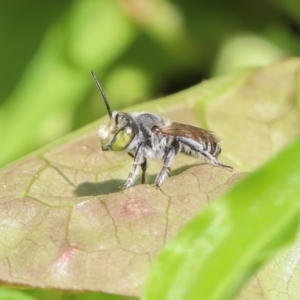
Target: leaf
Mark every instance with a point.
(38, 294)
(65, 226)
(14, 295)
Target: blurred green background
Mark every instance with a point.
(139, 49)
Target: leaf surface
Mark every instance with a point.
(64, 225)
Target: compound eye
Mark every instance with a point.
(122, 139)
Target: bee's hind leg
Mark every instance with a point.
(200, 149)
(215, 161)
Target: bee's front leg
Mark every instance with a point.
(143, 167)
(139, 160)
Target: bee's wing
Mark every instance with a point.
(197, 134)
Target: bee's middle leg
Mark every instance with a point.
(165, 171)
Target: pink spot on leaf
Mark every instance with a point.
(135, 207)
(62, 263)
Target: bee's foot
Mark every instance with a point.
(156, 186)
(123, 187)
(228, 168)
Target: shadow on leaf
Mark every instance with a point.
(183, 168)
(112, 186)
(98, 188)
(151, 178)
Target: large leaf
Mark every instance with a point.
(64, 225)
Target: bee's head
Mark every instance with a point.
(118, 132)
(120, 129)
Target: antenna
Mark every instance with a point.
(102, 93)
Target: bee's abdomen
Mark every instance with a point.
(213, 148)
(193, 148)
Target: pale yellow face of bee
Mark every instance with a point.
(117, 133)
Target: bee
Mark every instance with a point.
(144, 135)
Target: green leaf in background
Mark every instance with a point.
(221, 248)
(64, 225)
(7, 294)
(56, 81)
(43, 294)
